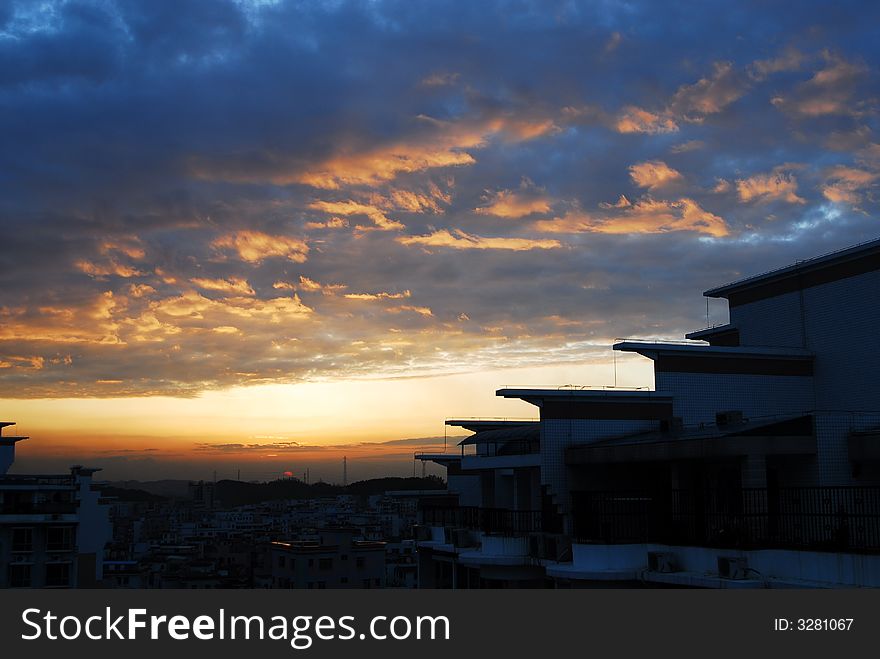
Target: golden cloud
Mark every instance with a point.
(255, 246)
(645, 216)
(778, 185)
(457, 239)
(234, 285)
(349, 207)
(653, 174)
(636, 120)
(528, 200)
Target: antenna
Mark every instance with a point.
(344, 471)
(424, 465)
(707, 312)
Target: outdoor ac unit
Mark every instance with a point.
(729, 418)
(422, 532)
(672, 424)
(662, 561)
(462, 538)
(732, 567)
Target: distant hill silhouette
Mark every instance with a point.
(237, 493)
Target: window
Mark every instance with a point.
(343, 557)
(311, 562)
(343, 579)
(325, 563)
(59, 538)
(22, 539)
(57, 574)
(359, 561)
(19, 576)
(281, 561)
(322, 585)
(366, 583)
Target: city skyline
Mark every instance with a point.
(261, 236)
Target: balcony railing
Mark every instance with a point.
(498, 521)
(819, 518)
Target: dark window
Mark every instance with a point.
(343, 579)
(343, 557)
(311, 562)
(359, 562)
(57, 574)
(366, 583)
(281, 561)
(325, 563)
(322, 585)
(59, 538)
(19, 576)
(22, 539)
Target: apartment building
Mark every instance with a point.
(333, 558)
(53, 528)
(756, 454)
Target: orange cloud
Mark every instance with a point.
(845, 184)
(516, 203)
(255, 246)
(104, 270)
(310, 286)
(790, 60)
(232, 285)
(708, 95)
(380, 220)
(378, 296)
(828, 92)
(645, 216)
(653, 174)
(636, 120)
(778, 185)
(457, 239)
(423, 311)
(332, 223)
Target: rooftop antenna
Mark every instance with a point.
(707, 312)
(344, 471)
(424, 465)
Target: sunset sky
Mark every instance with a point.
(262, 235)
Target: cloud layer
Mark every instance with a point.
(200, 195)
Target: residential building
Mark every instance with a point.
(53, 528)
(758, 447)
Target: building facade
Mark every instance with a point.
(759, 441)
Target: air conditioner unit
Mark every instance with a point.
(662, 561)
(672, 424)
(462, 538)
(733, 567)
(729, 418)
(422, 532)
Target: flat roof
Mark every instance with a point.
(481, 424)
(862, 252)
(586, 394)
(681, 347)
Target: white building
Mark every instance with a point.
(52, 528)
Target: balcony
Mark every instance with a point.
(814, 518)
(493, 521)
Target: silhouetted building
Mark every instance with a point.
(755, 456)
(332, 559)
(53, 528)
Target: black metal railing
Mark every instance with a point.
(821, 518)
(500, 521)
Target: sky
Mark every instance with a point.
(258, 236)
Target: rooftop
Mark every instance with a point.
(850, 261)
